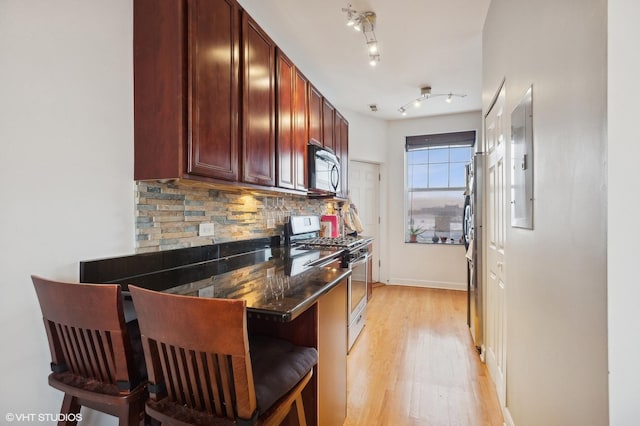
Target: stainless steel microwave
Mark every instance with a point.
(324, 171)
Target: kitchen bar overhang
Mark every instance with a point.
(277, 282)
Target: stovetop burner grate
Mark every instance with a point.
(340, 242)
(303, 231)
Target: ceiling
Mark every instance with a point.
(421, 42)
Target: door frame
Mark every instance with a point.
(494, 369)
(375, 275)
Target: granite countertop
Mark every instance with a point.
(278, 283)
(279, 287)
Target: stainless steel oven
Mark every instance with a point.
(357, 293)
(302, 231)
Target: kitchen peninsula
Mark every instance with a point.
(298, 295)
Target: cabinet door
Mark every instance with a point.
(315, 116)
(301, 129)
(332, 353)
(159, 89)
(328, 124)
(258, 141)
(213, 26)
(341, 130)
(285, 142)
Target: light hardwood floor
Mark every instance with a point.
(415, 363)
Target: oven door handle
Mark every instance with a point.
(359, 260)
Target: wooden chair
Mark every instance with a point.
(92, 359)
(204, 369)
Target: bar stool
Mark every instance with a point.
(204, 369)
(92, 359)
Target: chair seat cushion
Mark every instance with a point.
(278, 365)
(173, 413)
(59, 380)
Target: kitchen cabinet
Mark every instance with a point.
(332, 349)
(341, 133)
(186, 100)
(291, 129)
(213, 102)
(258, 122)
(328, 125)
(301, 129)
(315, 116)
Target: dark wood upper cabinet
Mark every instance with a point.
(214, 92)
(186, 99)
(341, 132)
(258, 139)
(291, 129)
(315, 116)
(285, 103)
(328, 124)
(301, 129)
(214, 102)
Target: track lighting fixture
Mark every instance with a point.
(425, 94)
(364, 22)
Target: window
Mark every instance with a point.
(436, 181)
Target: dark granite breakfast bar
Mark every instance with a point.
(295, 294)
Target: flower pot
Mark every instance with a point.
(413, 238)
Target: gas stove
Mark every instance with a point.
(350, 249)
(304, 232)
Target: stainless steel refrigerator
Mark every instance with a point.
(473, 239)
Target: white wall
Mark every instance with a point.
(368, 143)
(367, 137)
(66, 167)
(421, 264)
(556, 283)
(623, 153)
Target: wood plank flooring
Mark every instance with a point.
(415, 364)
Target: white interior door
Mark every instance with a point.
(496, 208)
(364, 190)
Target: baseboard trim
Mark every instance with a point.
(443, 285)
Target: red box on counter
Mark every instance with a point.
(329, 224)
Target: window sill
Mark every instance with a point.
(431, 243)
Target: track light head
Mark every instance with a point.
(365, 22)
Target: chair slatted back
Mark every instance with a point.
(197, 352)
(86, 330)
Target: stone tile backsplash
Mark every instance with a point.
(168, 214)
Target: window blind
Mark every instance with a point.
(467, 138)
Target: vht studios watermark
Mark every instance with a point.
(42, 417)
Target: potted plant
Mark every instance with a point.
(414, 231)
